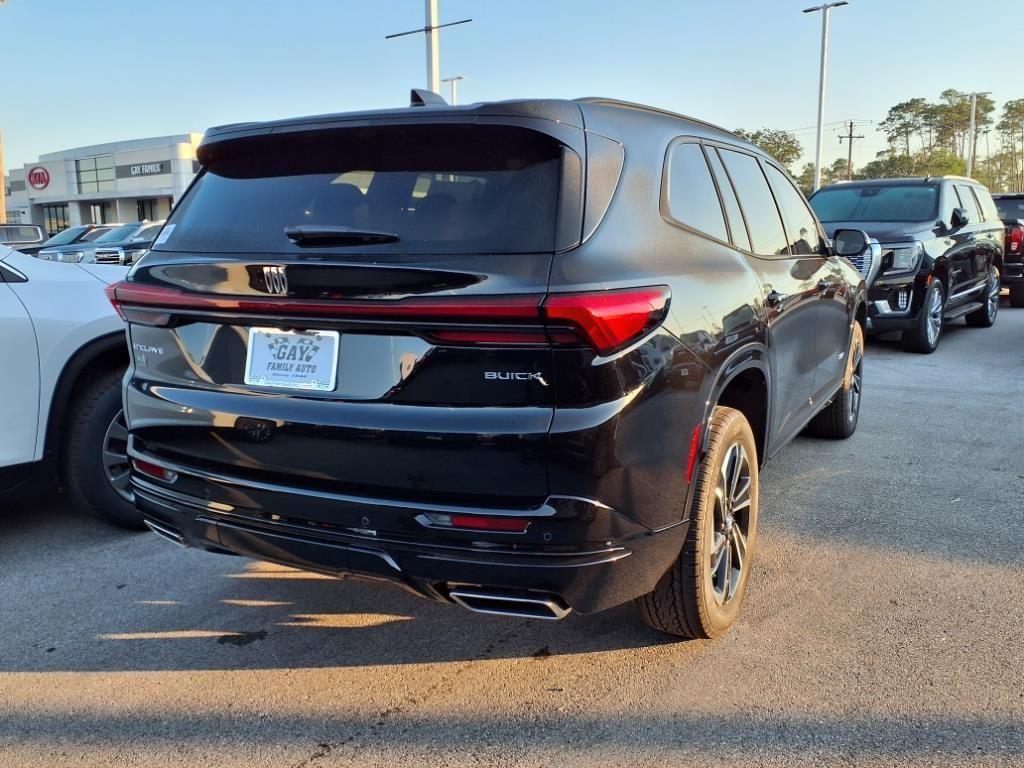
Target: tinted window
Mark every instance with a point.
(763, 220)
(69, 235)
(732, 207)
(15, 234)
(968, 201)
(881, 202)
(95, 234)
(438, 188)
(800, 224)
(1010, 207)
(988, 208)
(690, 193)
(117, 234)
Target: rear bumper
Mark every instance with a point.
(582, 553)
(1012, 273)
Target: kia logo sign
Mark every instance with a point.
(39, 178)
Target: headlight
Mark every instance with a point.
(70, 256)
(905, 258)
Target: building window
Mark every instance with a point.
(95, 174)
(55, 218)
(146, 210)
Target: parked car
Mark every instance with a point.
(1011, 267)
(478, 352)
(60, 395)
(82, 233)
(124, 244)
(941, 239)
(21, 236)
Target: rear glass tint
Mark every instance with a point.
(439, 189)
(882, 202)
(1010, 207)
(14, 234)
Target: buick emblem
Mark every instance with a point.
(276, 280)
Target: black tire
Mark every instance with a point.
(838, 420)
(1017, 295)
(687, 601)
(986, 316)
(920, 338)
(93, 414)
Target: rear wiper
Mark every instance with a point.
(319, 234)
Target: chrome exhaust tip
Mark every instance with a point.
(166, 532)
(500, 604)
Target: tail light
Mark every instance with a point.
(1015, 240)
(607, 321)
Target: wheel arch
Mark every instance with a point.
(744, 383)
(105, 353)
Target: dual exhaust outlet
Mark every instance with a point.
(503, 604)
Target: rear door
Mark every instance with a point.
(969, 246)
(337, 308)
(790, 291)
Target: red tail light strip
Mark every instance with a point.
(606, 320)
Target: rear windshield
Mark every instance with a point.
(883, 202)
(1010, 207)
(438, 189)
(15, 234)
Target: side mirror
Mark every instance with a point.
(849, 242)
(959, 218)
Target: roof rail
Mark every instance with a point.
(421, 97)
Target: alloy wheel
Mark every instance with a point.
(934, 310)
(993, 297)
(115, 457)
(856, 382)
(731, 524)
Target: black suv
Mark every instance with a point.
(1011, 268)
(526, 357)
(941, 239)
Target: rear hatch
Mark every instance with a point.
(356, 308)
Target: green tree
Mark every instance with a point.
(781, 145)
(904, 121)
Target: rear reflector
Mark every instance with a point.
(691, 461)
(605, 320)
(479, 523)
(153, 470)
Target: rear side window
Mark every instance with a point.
(690, 192)
(15, 234)
(968, 201)
(804, 238)
(437, 188)
(988, 207)
(766, 233)
(732, 206)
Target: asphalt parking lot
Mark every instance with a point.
(882, 627)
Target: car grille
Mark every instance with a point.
(109, 256)
(862, 262)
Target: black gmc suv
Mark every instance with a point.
(941, 239)
(527, 357)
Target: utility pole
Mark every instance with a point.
(849, 150)
(433, 43)
(822, 80)
(453, 81)
(971, 147)
(3, 197)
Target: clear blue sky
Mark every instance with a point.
(80, 72)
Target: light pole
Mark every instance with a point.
(454, 80)
(825, 11)
(433, 51)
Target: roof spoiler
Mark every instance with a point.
(421, 97)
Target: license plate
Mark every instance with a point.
(292, 359)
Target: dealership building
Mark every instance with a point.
(119, 182)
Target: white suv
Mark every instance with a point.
(64, 355)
